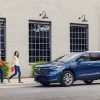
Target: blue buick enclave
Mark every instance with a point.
(69, 68)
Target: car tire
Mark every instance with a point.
(88, 81)
(45, 84)
(67, 78)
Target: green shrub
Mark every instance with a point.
(5, 68)
(35, 64)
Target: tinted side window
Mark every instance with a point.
(85, 57)
(95, 56)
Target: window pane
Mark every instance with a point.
(78, 37)
(2, 39)
(39, 41)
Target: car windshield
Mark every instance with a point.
(57, 59)
(69, 57)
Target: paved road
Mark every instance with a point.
(79, 91)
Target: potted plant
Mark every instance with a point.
(6, 69)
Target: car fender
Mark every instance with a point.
(69, 69)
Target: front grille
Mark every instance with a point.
(41, 70)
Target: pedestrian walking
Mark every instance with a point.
(15, 62)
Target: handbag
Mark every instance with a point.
(12, 69)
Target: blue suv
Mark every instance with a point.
(69, 68)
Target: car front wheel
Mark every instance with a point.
(67, 78)
(88, 81)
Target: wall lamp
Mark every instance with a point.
(83, 18)
(43, 15)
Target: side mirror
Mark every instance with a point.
(79, 61)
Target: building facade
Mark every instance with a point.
(47, 29)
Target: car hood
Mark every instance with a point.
(52, 64)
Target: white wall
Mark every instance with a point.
(60, 12)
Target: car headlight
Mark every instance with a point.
(53, 73)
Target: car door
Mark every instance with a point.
(95, 59)
(84, 69)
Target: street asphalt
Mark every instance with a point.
(79, 91)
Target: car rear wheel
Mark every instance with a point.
(45, 84)
(88, 81)
(67, 78)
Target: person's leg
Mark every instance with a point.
(19, 75)
(7, 79)
(16, 69)
(1, 73)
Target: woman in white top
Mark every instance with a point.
(16, 66)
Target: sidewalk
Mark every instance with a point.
(14, 83)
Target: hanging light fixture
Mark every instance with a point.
(83, 18)
(43, 15)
